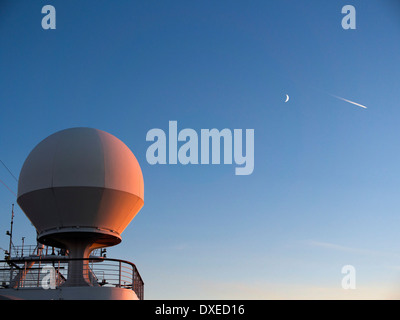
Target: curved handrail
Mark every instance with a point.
(132, 277)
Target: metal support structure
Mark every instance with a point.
(9, 233)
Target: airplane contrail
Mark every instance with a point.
(352, 102)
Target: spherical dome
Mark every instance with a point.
(81, 180)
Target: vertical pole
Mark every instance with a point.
(22, 250)
(133, 279)
(58, 275)
(119, 275)
(39, 271)
(21, 281)
(11, 229)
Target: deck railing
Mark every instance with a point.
(35, 272)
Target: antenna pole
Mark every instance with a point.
(11, 230)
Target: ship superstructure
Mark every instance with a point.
(80, 188)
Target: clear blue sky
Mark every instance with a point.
(325, 188)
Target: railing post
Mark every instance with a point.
(23, 279)
(119, 274)
(58, 274)
(39, 270)
(133, 278)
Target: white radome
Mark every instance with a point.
(81, 180)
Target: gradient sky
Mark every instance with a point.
(325, 188)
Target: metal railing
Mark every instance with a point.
(33, 272)
(24, 250)
(21, 251)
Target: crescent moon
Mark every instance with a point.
(287, 98)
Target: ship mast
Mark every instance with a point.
(9, 233)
